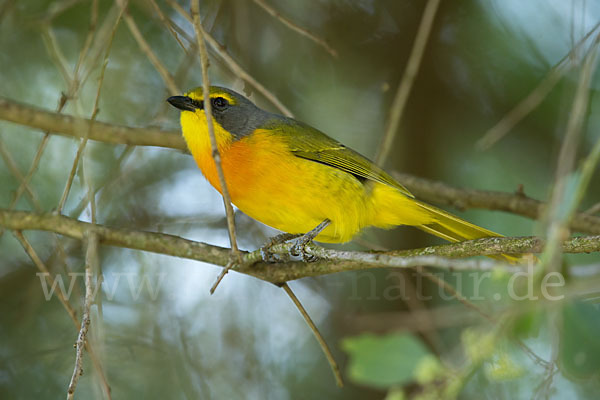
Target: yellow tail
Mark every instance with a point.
(454, 229)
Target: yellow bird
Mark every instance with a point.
(294, 178)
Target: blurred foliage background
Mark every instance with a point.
(157, 331)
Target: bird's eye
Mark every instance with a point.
(220, 103)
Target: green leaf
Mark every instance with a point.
(383, 361)
(579, 345)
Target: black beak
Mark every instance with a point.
(185, 103)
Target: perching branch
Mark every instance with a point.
(332, 261)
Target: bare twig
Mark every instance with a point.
(147, 50)
(57, 8)
(293, 26)
(456, 294)
(91, 263)
(115, 168)
(103, 36)
(42, 267)
(587, 169)
(596, 207)
(86, 45)
(334, 367)
(14, 169)
(537, 95)
(410, 73)
(200, 35)
(56, 54)
(167, 23)
(469, 304)
(233, 65)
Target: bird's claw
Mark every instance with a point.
(268, 256)
(299, 244)
(298, 249)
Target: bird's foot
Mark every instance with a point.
(299, 244)
(267, 255)
(299, 249)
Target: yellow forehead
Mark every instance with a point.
(198, 95)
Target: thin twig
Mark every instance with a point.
(36, 160)
(86, 45)
(200, 35)
(67, 189)
(410, 73)
(147, 50)
(595, 208)
(456, 294)
(334, 367)
(107, 30)
(295, 27)
(459, 296)
(587, 169)
(166, 21)
(233, 65)
(42, 267)
(56, 54)
(14, 169)
(57, 8)
(91, 263)
(537, 95)
(112, 174)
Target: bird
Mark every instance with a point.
(296, 179)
